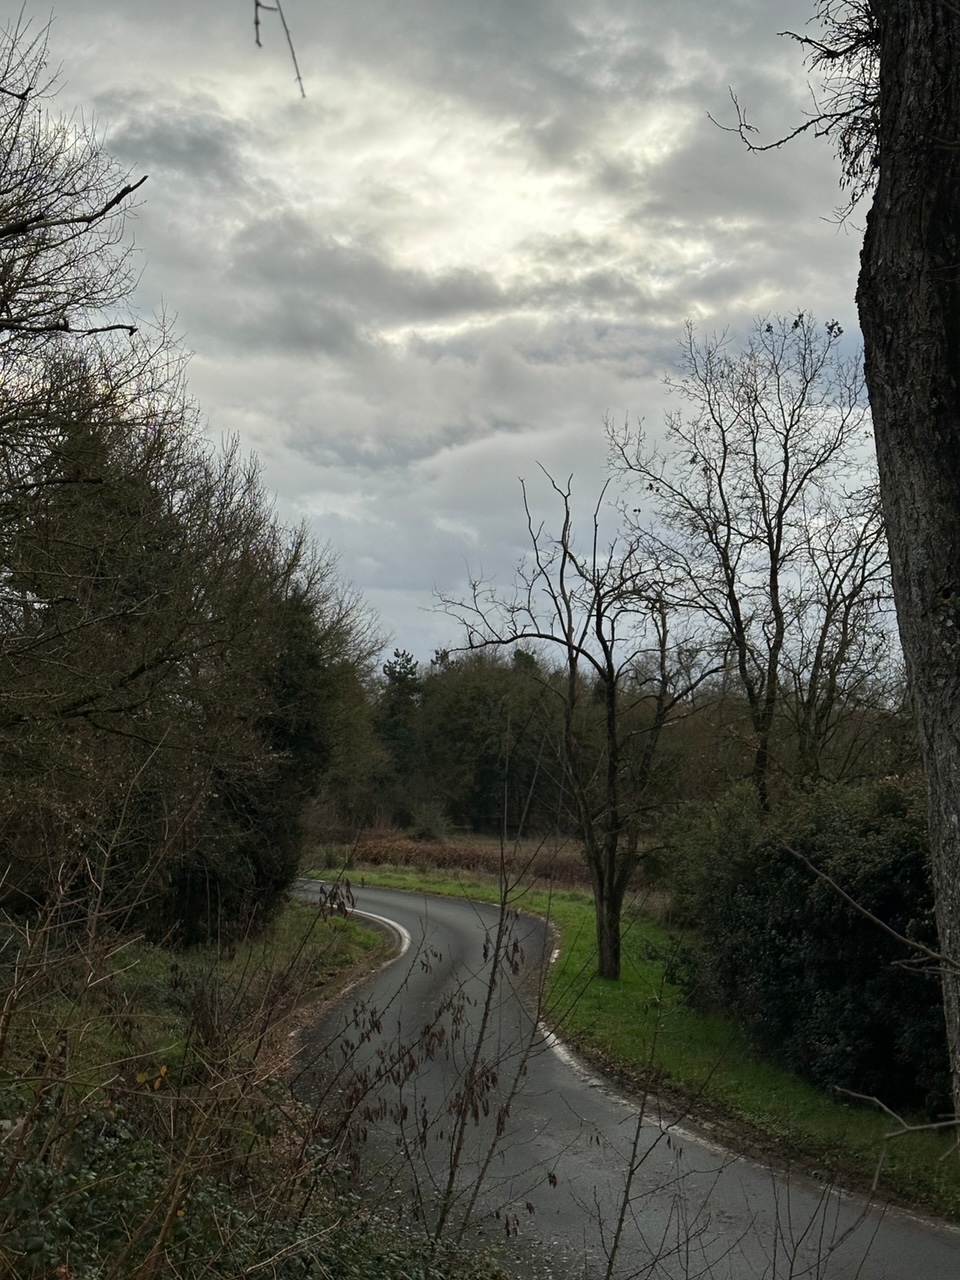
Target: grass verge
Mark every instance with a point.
(643, 1032)
(146, 1130)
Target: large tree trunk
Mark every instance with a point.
(909, 301)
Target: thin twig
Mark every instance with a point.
(937, 956)
(277, 8)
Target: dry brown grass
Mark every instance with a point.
(554, 862)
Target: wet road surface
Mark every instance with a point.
(472, 1116)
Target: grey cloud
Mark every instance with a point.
(288, 252)
(620, 175)
(392, 399)
(284, 284)
(560, 138)
(616, 347)
(706, 177)
(559, 66)
(191, 138)
(402, 407)
(290, 322)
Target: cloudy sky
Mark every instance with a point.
(477, 236)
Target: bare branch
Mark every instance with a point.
(943, 962)
(41, 222)
(277, 8)
(903, 1129)
(64, 326)
(846, 106)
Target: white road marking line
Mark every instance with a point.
(398, 929)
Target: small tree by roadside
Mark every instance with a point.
(624, 675)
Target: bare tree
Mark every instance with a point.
(841, 679)
(749, 510)
(606, 612)
(844, 52)
(63, 201)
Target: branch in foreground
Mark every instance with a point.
(943, 962)
(277, 8)
(64, 326)
(905, 1128)
(40, 222)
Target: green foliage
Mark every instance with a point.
(74, 1208)
(237, 877)
(486, 733)
(363, 1248)
(402, 780)
(174, 664)
(816, 985)
(78, 1186)
(143, 1131)
(469, 734)
(77, 1193)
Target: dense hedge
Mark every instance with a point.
(816, 985)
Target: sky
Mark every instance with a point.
(476, 239)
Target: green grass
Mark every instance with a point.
(132, 1007)
(299, 957)
(643, 1030)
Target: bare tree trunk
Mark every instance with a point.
(609, 890)
(608, 907)
(909, 301)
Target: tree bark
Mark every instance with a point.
(608, 906)
(909, 303)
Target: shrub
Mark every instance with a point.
(815, 984)
(429, 822)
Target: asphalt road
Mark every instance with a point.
(466, 1113)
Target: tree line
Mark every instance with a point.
(180, 671)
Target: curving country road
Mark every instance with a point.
(469, 1115)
